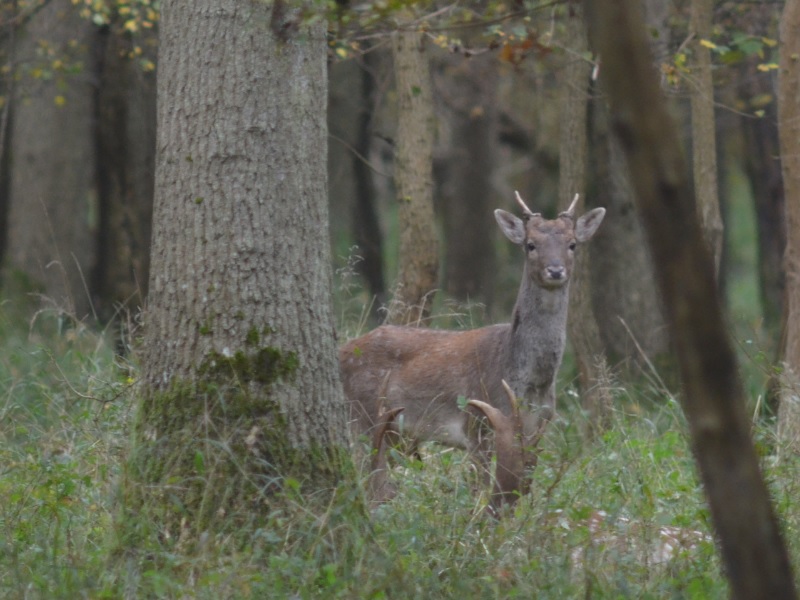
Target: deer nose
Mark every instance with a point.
(556, 273)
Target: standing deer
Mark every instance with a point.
(424, 371)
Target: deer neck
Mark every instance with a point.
(537, 337)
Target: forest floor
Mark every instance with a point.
(618, 515)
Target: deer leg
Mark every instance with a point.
(379, 488)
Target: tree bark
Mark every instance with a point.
(753, 551)
(418, 253)
(240, 374)
(704, 145)
(789, 133)
(584, 334)
(53, 195)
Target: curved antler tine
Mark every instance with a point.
(570, 212)
(511, 396)
(497, 419)
(527, 212)
(385, 421)
(379, 488)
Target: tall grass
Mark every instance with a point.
(63, 404)
(65, 407)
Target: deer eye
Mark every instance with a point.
(572, 245)
(531, 246)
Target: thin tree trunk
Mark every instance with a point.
(763, 167)
(418, 253)
(468, 98)
(53, 199)
(704, 145)
(367, 229)
(753, 551)
(126, 142)
(789, 132)
(627, 305)
(582, 325)
(8, 51)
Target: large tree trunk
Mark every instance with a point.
(704, 144)
(126, 142)
(53, 199)
(755, 557)
(418, 254)
(468, 97)
(582, 325)
(240, 379)
(789, 131)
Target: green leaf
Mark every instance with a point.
(199, 462)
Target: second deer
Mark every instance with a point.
(425, 371)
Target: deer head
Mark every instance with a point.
(549, 245)
(515, 442)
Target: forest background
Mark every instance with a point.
(77, 176)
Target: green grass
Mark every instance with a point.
(65, 405)
(63, 402)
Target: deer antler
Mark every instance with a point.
(526, 212)
(515, 451)
(570, 212)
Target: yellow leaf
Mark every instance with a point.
(708, 44)
(60, 101)
(131, 26)
(769, 42)
(341, 52)
(764, 67)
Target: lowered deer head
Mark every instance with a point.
(515, 448)
(515, 453)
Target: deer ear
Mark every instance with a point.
(513, 227)
(587, 225)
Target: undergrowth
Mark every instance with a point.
(66, 402)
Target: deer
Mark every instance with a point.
(516, 457)
(516, 454)
(426, 371)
